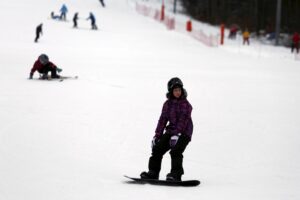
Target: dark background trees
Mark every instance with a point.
(256, 15)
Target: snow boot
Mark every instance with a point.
(149, 175)
(173, 177)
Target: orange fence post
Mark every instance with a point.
(162, 14)
(189, 26)
(222, 34)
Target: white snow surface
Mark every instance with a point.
(76, 139)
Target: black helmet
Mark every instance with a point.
(44, 59)
(174, 82)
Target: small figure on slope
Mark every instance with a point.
(295, 42)
(38, 32)
(93, 21)
(246, 36)
(75, 18)
(63, 12)
(43, 66)
(177, 123)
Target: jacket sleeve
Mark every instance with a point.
(34, 68)
(162, 122)
(184, 118)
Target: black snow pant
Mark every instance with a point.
(75, 23)
(102, 3)
(47, 68)
(37, 36)
(176, 154)
(295, 46)
(94, 26)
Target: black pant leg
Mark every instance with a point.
(158, 152)
(177, 155)
(37, 36)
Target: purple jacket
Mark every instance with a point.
(178, 113)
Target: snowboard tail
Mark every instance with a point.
(186, 183)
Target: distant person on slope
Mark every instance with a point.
(93, 21)
(54, 16)
(246, 36)
(102, 3)
(38, 32)
(295, 42)
(75, 18)
(43, 66)
(63, 12)
(174, 132)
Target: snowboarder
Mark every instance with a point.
(93, 21)
(63, 12)
(38, 32)
(295, 42)
(176, 112)
(246, 36)
(43, 66)
(102, 3)
(75, 18)
(54, 16)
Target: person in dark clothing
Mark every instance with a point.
(177, 123)
(53, 16)
(38, 32)
(75, 18)
(102, 3)
(295, 42)
(93, 21)
(43, 66)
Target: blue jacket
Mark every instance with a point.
(64, 9)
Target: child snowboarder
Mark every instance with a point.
(54, 16)
(63, 12)
(93, 21)
(43, 66)
(176, 112)
(38, 32)
(75, 18)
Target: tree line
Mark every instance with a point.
(256, 15)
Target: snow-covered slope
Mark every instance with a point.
(75, 139)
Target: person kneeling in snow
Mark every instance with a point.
(43, 66)
(177, 113)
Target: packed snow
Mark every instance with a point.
(77, 138)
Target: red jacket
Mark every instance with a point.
(296, 38)
(39, 67)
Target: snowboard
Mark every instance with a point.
(186, 183)
(62, 78)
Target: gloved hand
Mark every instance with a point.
(154, 142)
(58, 69)
(173, 140)
(30, 76)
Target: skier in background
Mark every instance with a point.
(246, 36)
(63, 12)
(43, 66)
(38, 32)
(102, 3)
(75, 18)
(53, 16)
(295, 42)
(177, 123)
(93, 21)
